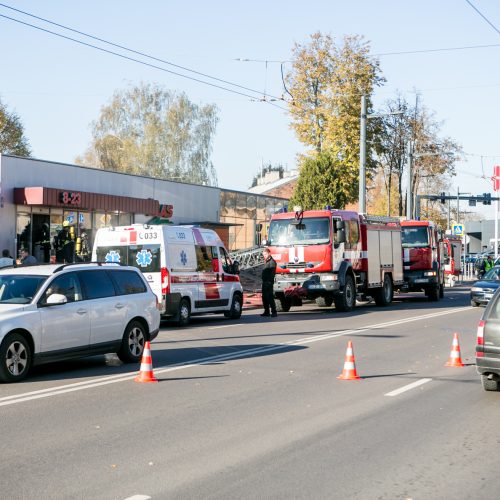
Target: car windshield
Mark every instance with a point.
(415, 237)
(313, 231)
(492, 274)
(19, 288)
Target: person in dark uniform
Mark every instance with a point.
(268, 274)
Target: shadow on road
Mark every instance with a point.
(109, 364)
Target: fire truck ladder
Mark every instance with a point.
(248, 258)
(380, 219)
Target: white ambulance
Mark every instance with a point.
(187, 267)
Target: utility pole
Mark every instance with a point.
(458, 205)
(409, 196)
(449, 214)
(362, 157)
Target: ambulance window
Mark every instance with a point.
(145, 257)
(204, 258)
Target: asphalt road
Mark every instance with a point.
(253, 409)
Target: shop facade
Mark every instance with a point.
(38, 199)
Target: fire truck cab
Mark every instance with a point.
(332, 256)
(423, 251)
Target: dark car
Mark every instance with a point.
(482, 291)
(488, 345)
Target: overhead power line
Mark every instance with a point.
(442, 49)
(267, 98)
(483, 16)
(128, 49)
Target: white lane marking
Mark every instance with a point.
(224, 326)
(122, 377)
(408, 387)
(138, 497)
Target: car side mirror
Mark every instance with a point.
(339, 224)
(235, 268)
(56, 299)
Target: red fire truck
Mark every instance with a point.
(453, 259)
(334, 255)
(423, 256)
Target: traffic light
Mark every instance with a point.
(487, 199)
(442, 197)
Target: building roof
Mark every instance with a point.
(264, 188)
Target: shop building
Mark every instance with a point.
(39, 198)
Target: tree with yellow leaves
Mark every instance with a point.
(326, 83)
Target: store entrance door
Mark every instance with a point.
(41, 238)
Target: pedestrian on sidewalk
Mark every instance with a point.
(268, 274)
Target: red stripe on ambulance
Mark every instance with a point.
(211, 291)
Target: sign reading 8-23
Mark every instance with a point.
(70, 198)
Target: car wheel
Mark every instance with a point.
(473, 303)
(15, 358)
(184, 313)
(490, 384)
(347, 300)
(133, 342)
(383, 296)
(236, 307)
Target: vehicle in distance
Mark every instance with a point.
(482, 291)
(54, 312)
(488, 345)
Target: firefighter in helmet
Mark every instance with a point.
(65, 243)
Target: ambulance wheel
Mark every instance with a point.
(346, 301)
(283, 304)
(236, 307)
(383, 296)
(324, 301)
(184, 312)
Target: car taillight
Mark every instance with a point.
(165, 282)
(480, 332)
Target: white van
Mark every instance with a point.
(187, 267)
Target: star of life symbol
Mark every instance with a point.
(184, 258)
(112, 256)
(144, 258)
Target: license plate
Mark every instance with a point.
(422, 280)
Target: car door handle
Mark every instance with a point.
(119, 306)
(81, 312)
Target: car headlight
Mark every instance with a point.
(430, 273)
(476, 289)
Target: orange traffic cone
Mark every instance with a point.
(349, 371)
(455, 358)
(146, 371)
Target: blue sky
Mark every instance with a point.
(58, 87)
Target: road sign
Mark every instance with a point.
(457, 229)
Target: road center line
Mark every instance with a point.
(122, 377)
(408, 387)
(224, 326)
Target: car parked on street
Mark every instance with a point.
(488, 345)
(482, 291)
(55, 312)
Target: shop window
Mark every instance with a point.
(125, 219)
(23, 236)
(241, 205)
(84, 238)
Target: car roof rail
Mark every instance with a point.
(95, 262)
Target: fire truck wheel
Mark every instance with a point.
(441, 291)
(347, 300)
(383, 296)
(283, 304)
(433, 293)
(236, 306)
(184, 312)
(324, 301)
